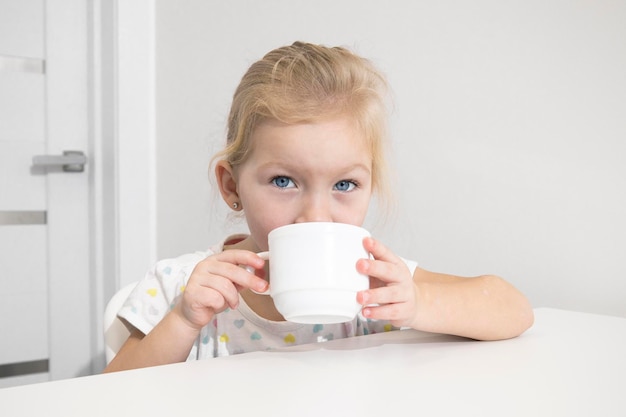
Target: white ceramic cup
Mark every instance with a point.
(313, 276)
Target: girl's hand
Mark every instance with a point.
(215, 284)
(391, 286)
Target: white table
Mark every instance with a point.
(567, 364)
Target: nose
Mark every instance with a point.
(315, 208)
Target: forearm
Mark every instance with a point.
(169, 342)
(483, 308)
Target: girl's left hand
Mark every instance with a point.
(393, 294)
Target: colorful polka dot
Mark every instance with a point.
(224, 338)
(152, 292)
(388, 327)
(290, 339)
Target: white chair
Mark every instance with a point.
(115, 333)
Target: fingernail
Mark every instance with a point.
(362, 297)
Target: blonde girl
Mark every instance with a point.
(305, 143)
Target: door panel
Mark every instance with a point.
(70, 299)
(22, 28)
(20, 188)
(45, 280)
(24, 319)
(21, 104)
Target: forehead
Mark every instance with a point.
(319, 139)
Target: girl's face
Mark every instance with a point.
(304, 173)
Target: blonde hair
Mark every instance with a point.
(303, 83)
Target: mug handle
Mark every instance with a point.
(263, 255)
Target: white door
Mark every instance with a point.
(45, 283)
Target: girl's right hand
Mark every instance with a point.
(215, 284)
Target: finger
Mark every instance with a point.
(380, 272)
(376, 283)
(395, 313)
(392, 294)
(240, 257)
(243, 278)
(380, 251)
(198, 304)
(230, 266)
(206, 289)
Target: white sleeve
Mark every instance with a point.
(411, 264)
(157, 293)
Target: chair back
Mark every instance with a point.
(115, 333)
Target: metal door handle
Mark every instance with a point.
(70, 161)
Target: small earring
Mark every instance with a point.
(235, 205)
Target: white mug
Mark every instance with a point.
(313, 276)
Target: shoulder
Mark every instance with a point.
(185, 263)
(166, 278)
(172, 266)
(170, 275)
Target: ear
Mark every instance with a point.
(227, 182)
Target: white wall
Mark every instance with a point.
(509, 132)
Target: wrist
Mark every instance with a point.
(420, 291)
(182, 322)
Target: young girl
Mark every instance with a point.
(305, 143)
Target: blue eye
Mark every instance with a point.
(282, 182)
(345, 186)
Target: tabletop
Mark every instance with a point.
(567, 364)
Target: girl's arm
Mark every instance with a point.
(213, 286)
(170, 341)
(484, 307)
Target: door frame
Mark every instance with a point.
(122, 142)
(66, 97)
